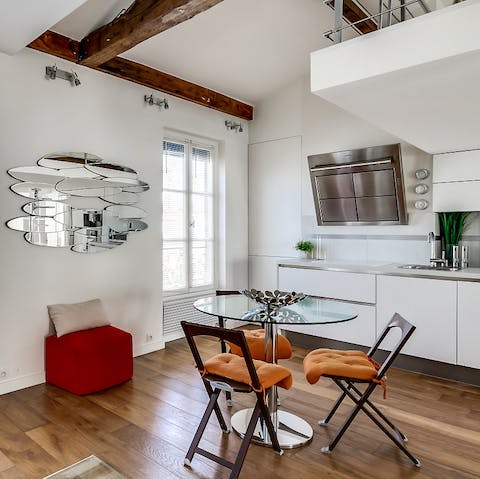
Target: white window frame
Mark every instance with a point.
(191, 141)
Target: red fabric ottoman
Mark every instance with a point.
(87, 361)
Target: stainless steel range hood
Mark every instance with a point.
(362, 186)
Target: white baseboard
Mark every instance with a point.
(33, 379)
(146, 348)
(21, 382)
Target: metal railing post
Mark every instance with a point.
(337, 29)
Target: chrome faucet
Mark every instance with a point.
(434, 261)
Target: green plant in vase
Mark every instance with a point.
(306, 247)
(452, 226)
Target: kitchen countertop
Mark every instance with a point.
(388, 269)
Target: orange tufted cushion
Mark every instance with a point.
(350, 364)
(233, 367)
(256, 343)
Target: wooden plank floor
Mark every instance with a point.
(144, 427)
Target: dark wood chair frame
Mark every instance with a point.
(215, 384)
(223, 344)
(361, 399)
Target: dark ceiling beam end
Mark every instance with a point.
(57, 45)
(143, 20)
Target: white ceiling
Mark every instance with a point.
(90, 16)
(245, 49)
(22, 21)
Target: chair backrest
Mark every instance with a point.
(236, 337)
(406, 329)
(225, 292)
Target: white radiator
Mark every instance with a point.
(178, 310)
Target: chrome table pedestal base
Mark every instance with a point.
(292, 431)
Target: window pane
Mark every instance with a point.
(174, 265)
(202, 217)
(174, 215)
(174, 166)
(202, 263)
(201, 170)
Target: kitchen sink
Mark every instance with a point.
(427, 267)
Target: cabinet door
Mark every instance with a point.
(274, 210)
(430, 305)
(468, 324)
(328, 284)
(360, 330)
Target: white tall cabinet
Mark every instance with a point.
(274, 210)
(469, 324)
(428, 304)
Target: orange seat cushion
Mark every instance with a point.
(233, 367)
(349, 364)
(256, 344)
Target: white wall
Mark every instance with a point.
(321, 127)
(105, 116)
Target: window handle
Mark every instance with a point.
(192, 224)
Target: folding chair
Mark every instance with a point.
(346, 368)
(229, 372)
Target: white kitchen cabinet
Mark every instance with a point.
(456, 196)
(456, 181)
(328, 284)
(468, 324)
(430, 305)
(360, 330)
(357, 287)
(458, 166)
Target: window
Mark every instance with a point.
(188, 217)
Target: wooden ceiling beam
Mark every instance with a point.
(144, 19)
(66, 48)
(151, 78)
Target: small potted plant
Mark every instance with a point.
(306, 247)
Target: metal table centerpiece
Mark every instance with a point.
(296, 431)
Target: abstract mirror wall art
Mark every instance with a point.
(57, 177)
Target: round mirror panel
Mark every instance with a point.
(93, 247)
(112, 170)
(41, 224)
(46, 208)
(61, 239)
(96, 240)
(38, 191)
(125, 211)
(129, 184)
(68, 160)
(77, 173)
(127, 225)
(99, 219)
(36, 174)
(77, 218)
(122, 198)
(89, 187)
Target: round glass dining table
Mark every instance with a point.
(292, 431)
